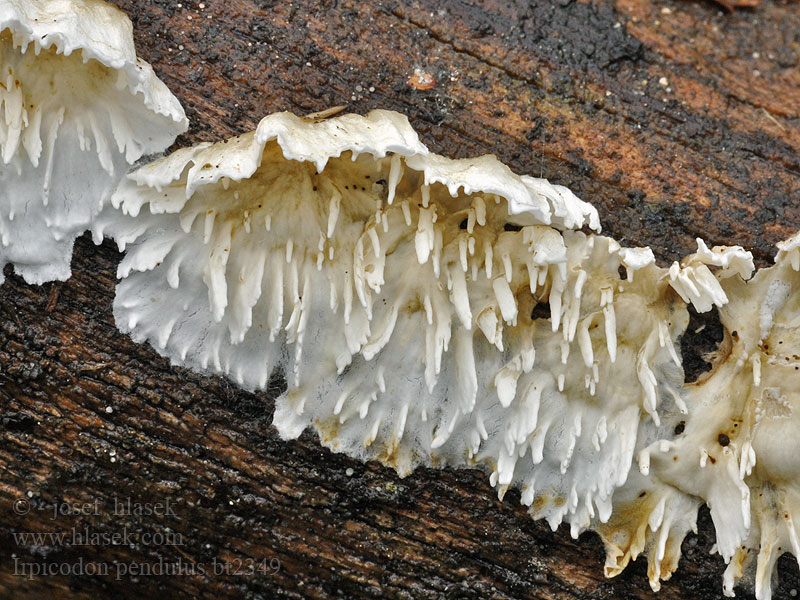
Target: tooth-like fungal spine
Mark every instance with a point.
(464, 319)
(77, 107)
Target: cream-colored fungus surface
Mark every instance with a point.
(428, 311)
(76, 109)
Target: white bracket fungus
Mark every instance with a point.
(429, 311)
(76, 109)
(738, 450)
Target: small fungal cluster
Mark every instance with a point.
(429, 311)
(77, 108)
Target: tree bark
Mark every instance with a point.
(675, 119)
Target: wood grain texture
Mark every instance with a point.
(676, 119)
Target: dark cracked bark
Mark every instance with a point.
(675, 119)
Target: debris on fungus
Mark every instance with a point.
(76, 109)
(429, 311)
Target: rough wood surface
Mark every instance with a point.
(676, 119)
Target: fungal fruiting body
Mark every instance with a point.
(428, 311)
(738, 451)
(76, 109)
